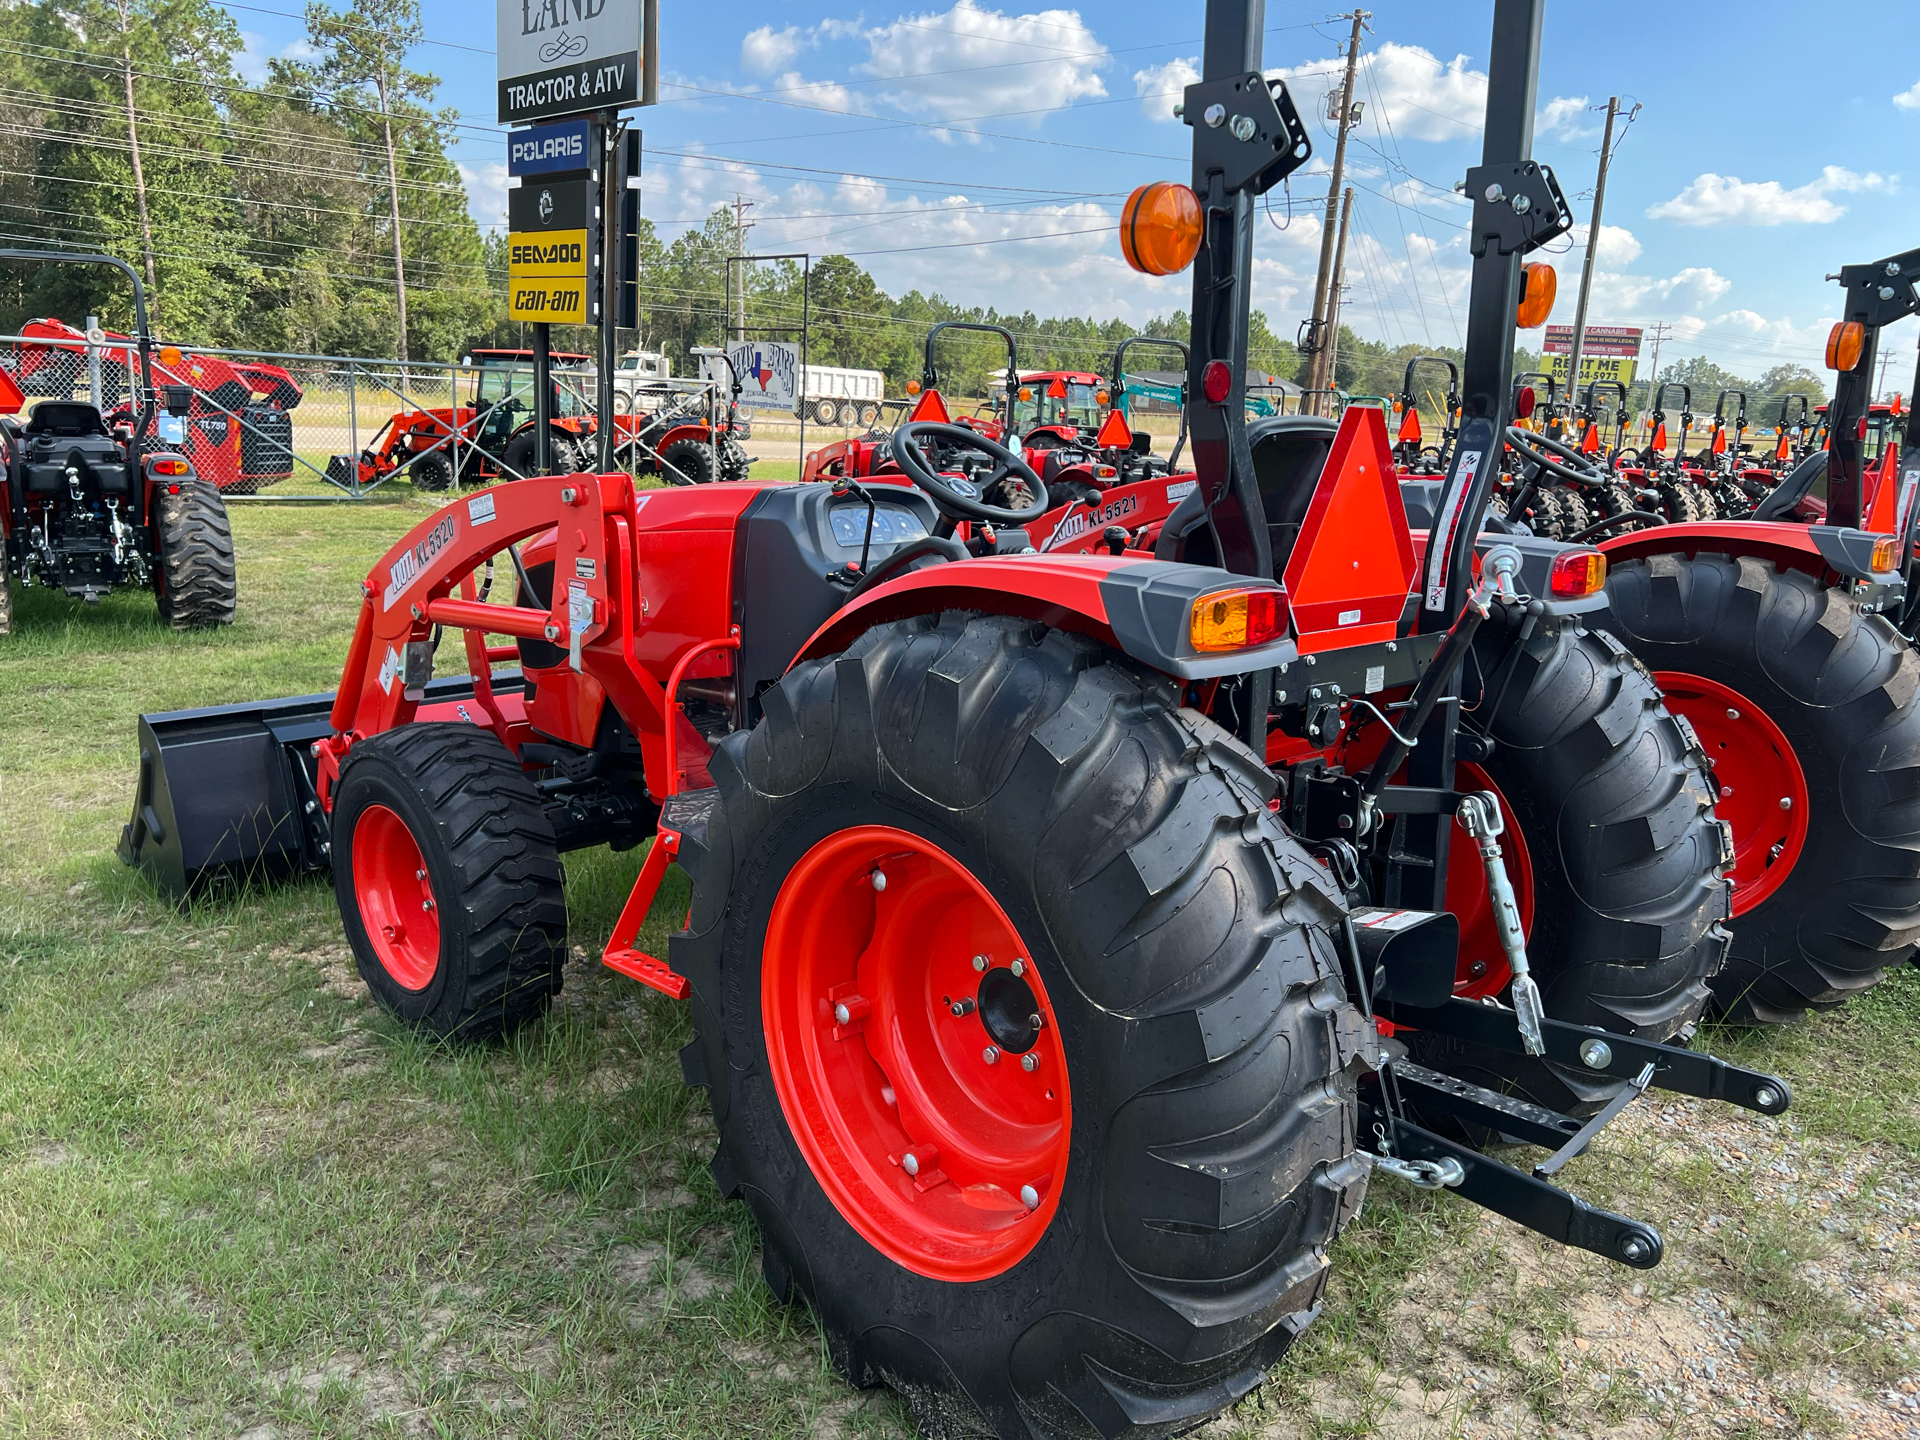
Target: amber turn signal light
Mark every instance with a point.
(1238, 619)
(1577, 574)
(1160, 228)
(166, 465)
(1886, 554)
(913, 387)
(170, 356)
(1844, 343)
(1539, 287)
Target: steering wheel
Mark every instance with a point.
(1541, 450)
(956, 497)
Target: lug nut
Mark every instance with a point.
(962, 1007)
(925, 1157)
(991, 1054)
(979, 962)
(419, 874)
(426, 904)
(1766, 1097)
(1029, 1197)
(1029, 1062)
(1596, 1053)
(1786, 802)
(879, 879)
(854, 1007)
(1215, 115)
(1019, 968)
(1732, 714)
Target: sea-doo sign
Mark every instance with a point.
(566, 57)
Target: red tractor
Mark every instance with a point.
(1071, 935)
(93, 503)
(239, 429)
(494, 435)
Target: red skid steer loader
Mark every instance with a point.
(1051, 1031)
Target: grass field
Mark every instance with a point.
(235, 1200)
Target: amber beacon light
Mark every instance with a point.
(1160, 228)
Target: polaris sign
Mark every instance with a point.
(568, 57)
(548, 149)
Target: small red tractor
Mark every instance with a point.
(493, 436)
(94, 503)
(238, 430)
(1782, 635)
(1071, 934)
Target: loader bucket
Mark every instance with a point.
(228, 792)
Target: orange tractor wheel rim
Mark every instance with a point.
(1763, 790)
(915, 1053)
(395, 896)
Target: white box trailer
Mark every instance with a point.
(834, 395)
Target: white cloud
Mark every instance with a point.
(826, 94)
(1159, 86)
(486, 193)
(1618, 246)
(252, 61)
(1909, 99)
(1728, 200)
(990, 62)
(765, 50)
(1565, 117)
(1422, 96)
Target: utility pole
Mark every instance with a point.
(1319, 369)
(139, 174)
(1659, 329)
(1331, 349)
(740, 227)
(1593, 245)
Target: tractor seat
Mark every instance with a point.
(1793, 489)
(1289, 452)
(69, 419)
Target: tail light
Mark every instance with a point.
(1216, 380)
(1886, 553)
(1577, 574)
(1238, 619)
(169, 465)
(1536, 298)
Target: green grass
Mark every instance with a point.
(235, 1198)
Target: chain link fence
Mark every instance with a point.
(341, 427)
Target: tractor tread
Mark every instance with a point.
(197, 586)
(1140, 858)
(1842, 686)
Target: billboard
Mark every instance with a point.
(565, 57)
(549, 149)
(769, 372)
(1607, 352)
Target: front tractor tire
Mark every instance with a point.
(688, 462)
(195, 586)
(1808, 710)
(448, 880)
(1023, 1031)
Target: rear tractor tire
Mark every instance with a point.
(448, 880)
(196, 586)
(688, 462)
(1023, 1031)
(1614, 851)
(1807, 709)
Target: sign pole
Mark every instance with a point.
(542, 398)
(610, 130)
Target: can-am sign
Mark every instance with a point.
(563, 57)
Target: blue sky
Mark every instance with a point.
(1766, 153)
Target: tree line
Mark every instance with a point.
(319, 210)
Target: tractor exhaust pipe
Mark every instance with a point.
(227, 794)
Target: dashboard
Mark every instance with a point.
(892, 525)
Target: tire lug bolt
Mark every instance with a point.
(962, 1007)
(1029, 1062)
(1732, 714)
(854, 1007)
(1029, 1197)
(879, 879)
(923, 1157)
(991, 1054)
(1019, 968)
(419, 874)
(1786, 802)
(979, 962)
(426, 904)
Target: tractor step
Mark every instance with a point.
(230, 790)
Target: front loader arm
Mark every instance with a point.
(409, 593)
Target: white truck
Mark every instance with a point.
(833, 395)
